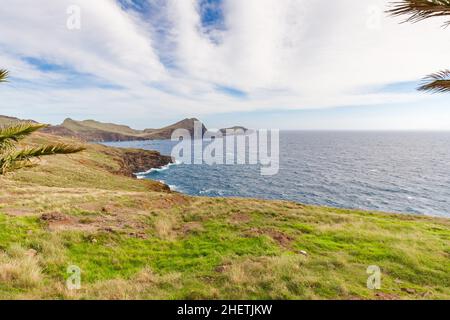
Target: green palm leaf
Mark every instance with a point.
(46, 150)
(13, 133)
(21, 158)
(10, 158)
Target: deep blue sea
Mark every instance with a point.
(405, 172)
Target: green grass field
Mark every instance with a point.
(133, 240)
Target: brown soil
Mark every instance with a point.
(223, 268)
(240, 218)
(165, 202)
(191, 227)
(386, 296)
(282, 239)
(58, 221)
(16, 212)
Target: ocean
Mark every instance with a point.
(403, 172)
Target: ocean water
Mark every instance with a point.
(405, 172)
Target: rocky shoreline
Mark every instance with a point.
(133, 161)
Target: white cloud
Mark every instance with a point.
(290, 54)
(307, 47)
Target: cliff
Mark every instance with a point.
(135, 160)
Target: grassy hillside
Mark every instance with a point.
(134, 239)
(87, 125)
(91, 130)
(5, 120)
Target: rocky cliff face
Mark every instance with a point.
(166, 132)
(134, 161)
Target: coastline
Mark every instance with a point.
(137, 160)
(147, 242)
(141, 175)
(303, 180)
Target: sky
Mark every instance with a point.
(287, 64)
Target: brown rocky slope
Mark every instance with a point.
(94, 131)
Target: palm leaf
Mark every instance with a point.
(21, 158)
(11, 134)
(46, 150)
(10, 158)
(437, 82)
(419, 10)
(4, 75)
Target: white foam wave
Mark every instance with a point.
(141, 175)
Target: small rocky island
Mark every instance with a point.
(236, 130)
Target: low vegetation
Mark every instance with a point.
(134, 239)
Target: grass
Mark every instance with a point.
(133, 240)
(90, 125)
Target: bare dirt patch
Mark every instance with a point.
(168, 202)
(191, 227)
(107, 209)
(55, 217)
(122, 222)
(94, 207)
(386, 296)
(240, 218)
(18, 212)
(281, 238)
(223, 268)
(138, 235)
(56, 221)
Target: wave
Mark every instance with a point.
(212, 192)
(141, 175)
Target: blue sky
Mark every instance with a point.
(288, 64)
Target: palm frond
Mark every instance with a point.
(7, 164)
(419, 10)
(21, 158)
(10, 158)
(46, 150)
(437, 82)
(11, 134)
(4, 75)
